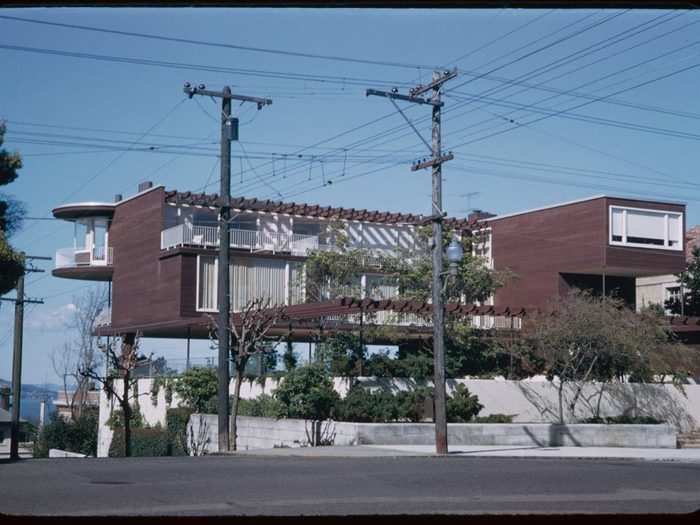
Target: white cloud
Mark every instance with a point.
(50, 320)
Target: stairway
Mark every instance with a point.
(689, 439)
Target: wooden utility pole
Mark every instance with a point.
(229, 132)
(435, 162)
(19, 301)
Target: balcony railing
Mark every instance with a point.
(80, 257)
(253, 240)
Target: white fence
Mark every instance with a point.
(253, 240)
(72, 257)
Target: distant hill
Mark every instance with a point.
(49, 390)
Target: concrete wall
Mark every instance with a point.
(259, 433)
(530, 401)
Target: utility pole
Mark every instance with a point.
(229, 132)
(435, 162)
(19, 301)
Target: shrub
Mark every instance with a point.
(364, 406)
(263, 406)
(495, 418)
(198, 388)
(624, 420)
(462, 406)
(176, 420)
(307, 393)
(145, 442)
(413, 404)
(78, 436)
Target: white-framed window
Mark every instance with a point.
(658, 229)
(207, 266)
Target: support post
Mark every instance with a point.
(438, 309)
(17, 370)
(436, 162)
(223, 277)
(229, 132)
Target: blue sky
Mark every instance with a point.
(528, 164)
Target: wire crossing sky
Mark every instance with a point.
(548, 106)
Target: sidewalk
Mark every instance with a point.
(646, 454)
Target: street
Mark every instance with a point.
(283, 486)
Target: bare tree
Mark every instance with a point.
(587, 338)
(81, 352)
(249, 333)
(119, 366)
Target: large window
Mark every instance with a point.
(646, 228)
(206, 283)
(250, 278)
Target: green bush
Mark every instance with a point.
(263, 406)
(364, 406)
(176, 423)
(495, 418)
(624, 420)
(307, 393)
(198, 388)
(78, 436)
(145, 442)
(462, 406)
(413, 404)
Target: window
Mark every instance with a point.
(646, 228)
(249, 279)
(206, 283)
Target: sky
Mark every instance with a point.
(548, 106)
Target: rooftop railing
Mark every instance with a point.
(252, 240)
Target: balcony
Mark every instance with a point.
(251, 240)
(84, 263)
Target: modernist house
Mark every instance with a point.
(602, 244)
(158, 249)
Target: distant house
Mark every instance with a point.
(658, 289)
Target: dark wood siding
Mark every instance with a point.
(146, 289)
(572, 239)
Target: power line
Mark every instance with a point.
(224, 45)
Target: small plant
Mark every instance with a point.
(73, 436)
(624, 420)
(495, 418)
(462, 406)
(307, 393)
(364, 406)
(263, 406)
(198, 388)
(145, 442)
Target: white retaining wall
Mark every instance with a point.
(259, 433)
(529, 401)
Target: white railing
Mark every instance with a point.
(253, 240)
(74, 257)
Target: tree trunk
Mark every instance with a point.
(126, 410)
(561, 400)
(234, 406)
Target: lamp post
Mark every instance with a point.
(454, 256)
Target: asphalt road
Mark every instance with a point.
(246, 485)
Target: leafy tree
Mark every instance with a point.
(77, 435)
(11, 213)
(591, 338)
(363, 405)
(289, 358)
(307, 393)
(197, 388)
(264, 405)
(690, 285)
(342, 355)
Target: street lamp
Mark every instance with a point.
(455, 253)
